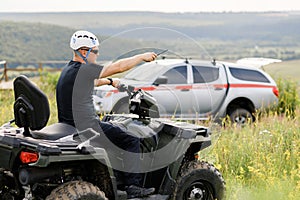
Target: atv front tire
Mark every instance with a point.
(77, 190)
(199, 180)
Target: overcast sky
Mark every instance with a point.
(148, 5)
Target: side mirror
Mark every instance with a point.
(161, 80)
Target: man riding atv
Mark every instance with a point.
(74, 98)
(75, 160)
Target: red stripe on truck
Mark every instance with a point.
(204, 86)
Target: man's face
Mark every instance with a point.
(94, 53)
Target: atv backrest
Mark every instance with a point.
(31, 107)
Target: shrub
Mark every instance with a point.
(288, 97)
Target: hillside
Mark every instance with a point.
(227, 26)
(288, 70)
(29, 42)
(226, 36)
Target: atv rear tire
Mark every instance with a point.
(5, 185)
(77, 190)
(199, 180)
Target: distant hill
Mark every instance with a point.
(227, 26)
(288, 70)
(26, 42)
(226, 36)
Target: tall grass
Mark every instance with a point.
(46, 82)
(6, 105)
(288, 97)
(262, 160)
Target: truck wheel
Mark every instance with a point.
(121, 108)
(241, 116)
(199, 180)
(77, 190)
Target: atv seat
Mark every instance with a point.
(54, 131)
(31, 111)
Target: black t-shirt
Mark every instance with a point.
(74, 92)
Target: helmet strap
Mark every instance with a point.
(84, 58)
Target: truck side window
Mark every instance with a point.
(177, 75)
(248, 75)
(204, 74)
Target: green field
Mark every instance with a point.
(259, 161)
(287, 70)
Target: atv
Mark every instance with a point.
(59, 162)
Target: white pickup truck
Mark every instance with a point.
(195, 89)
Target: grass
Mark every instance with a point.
(46, 82)
(261, 160)
(6, 107)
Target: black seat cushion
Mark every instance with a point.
(54, 131)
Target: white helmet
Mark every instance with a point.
(83, 39)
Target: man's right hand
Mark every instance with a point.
(116, 83)
(148, 57)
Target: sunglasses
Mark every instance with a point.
(95, 51)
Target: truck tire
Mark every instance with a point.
(199, 180)
(241, 116)
(77, 190)
(122, 107)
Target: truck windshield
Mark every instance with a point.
(146, 72)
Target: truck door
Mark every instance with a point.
(209, 88)
(174, 97)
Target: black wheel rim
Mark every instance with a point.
(198, 191)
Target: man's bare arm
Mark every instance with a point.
(126, 64)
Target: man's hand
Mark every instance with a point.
(106, 81)
(148, 57)
(116, 83)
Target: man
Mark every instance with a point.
(75, 104)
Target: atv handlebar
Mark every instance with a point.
(140, 102)
(126, 88)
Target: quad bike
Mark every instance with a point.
(50, 162)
